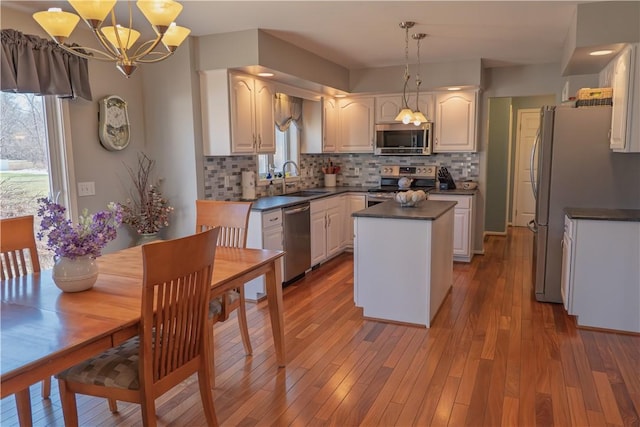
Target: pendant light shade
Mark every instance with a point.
(58, 24)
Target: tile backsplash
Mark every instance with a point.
(218, 169)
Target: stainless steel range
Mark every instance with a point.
(402, 178)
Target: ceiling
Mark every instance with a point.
(366, 34)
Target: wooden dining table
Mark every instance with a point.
(44, 330)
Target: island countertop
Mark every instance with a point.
(426, 210)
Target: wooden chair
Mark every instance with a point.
(233, 220)
(173, 341)
(16, 239)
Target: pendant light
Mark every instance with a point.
(405, 115)
(418, 118)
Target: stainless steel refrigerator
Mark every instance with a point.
(575, 168)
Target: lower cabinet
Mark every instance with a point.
(327, 223)
(601, 273)
(265, 232)
(464, 219)
(353, 202)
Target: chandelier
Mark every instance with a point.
(117, 41)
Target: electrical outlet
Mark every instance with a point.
(86, 189)
(226, 181)
(357, 171)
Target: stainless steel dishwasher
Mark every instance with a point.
(297, 241)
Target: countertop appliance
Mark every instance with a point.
(420, 178)
(575, 169)
(297, 241)
(399, 139)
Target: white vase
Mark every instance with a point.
(75, 275)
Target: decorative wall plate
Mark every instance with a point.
(114, 123)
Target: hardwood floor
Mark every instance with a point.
(494, 356)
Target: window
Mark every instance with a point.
(287, 149)
(33, 152)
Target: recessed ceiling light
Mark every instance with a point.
(601, 52)
(266, 74)
(454, 88)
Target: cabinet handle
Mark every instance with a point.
(274, 219)
(259, 141)
(254, 140)
(436, 139)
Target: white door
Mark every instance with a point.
(524, 205)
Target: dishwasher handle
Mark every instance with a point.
(296, 210)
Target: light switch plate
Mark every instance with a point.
(226, 181)
(86, 189)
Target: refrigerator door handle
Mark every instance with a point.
(534, 185)
(531, 225)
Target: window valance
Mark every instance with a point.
(30, 64)
(288, 109)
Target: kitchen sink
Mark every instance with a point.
(306, 193)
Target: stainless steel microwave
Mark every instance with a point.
(398, 139)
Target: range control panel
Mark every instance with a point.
(428, 171)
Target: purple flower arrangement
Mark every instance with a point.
(88, 237)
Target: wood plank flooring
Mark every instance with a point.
(494, 357)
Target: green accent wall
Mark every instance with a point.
(497, 165)
(503, 117)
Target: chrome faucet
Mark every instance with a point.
(284, 174)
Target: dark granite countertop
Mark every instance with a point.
(601, 214)
(282, 201)
(427, 210)
(456, 192)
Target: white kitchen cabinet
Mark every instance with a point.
(603, 271)
(455, 122)
(237, 114)
(353, 202)
(566, 278)
(327, 218)
(463, 224)
(265, 232)
(625, 131)
(329, 125)
(388, 106)
(356, 125)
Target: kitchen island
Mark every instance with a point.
(403, 260)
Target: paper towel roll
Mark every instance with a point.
(248, 185)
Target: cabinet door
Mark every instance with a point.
(330, 125)
(619, 111)
(265, 128)
(455, 122)
(318, 237)
(426, 101)
(243, 132)
(565, 288)
(272, 238)
(387, 108)
(355, 125)
(354, 203)
(335, 215)
(461, 226)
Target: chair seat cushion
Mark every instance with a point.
(116, 367)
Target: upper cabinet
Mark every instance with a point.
(355, 125)
(625, 81)
(388, 106)
(329, 125)
(237, 114)
(455, 121)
